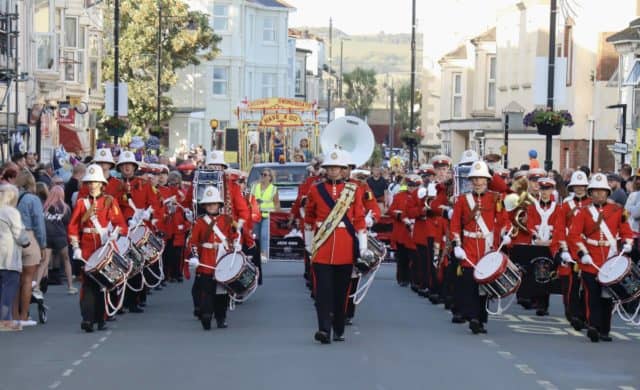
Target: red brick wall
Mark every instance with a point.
(603, 159)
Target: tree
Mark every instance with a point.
(187, 39)
(403, 112)
(361, 90)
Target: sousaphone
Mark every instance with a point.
(351, 134)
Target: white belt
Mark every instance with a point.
(209, 245)
(469, 234)
(90, 230)
(340, 225)
(597, 243)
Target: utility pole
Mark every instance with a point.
(392, 121)
(550, 79)
(330, 65)
(506, 140)
(413, 80)
(159, 70)
(116, 60)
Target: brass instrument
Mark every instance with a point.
(519, 201)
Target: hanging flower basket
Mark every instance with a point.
(547, 121)
(115, 126)
(410, 137)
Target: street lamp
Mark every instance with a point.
(623, 136)
(413, 80)
(341, 56)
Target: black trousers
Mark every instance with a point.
(431, 273)
(132, 298)
(573, 301)
(419, 267)
(171, 260)
(402, 264)
(91, 301)
(351, 307)
(211, 304)
(472, 304)
(450, 283)
(331, 289)
(598, 309)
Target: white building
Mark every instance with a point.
(256, 60)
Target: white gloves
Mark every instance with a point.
(180, 227)
(586, 260)
(422, 192)
(188, 214)
(308, 240)
(239, 225)
(193, 262)
(626, 248)
(237, 247)
(566, 257)
(432, 190)
(77, 254)
(459, 252)
(506, 240)
(368, 220)
(362, 242)
(146, 214)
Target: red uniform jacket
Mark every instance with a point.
(399, 211)
(555, 223)
(205, 241)
(465, 229)
(143, 195)
(233, 194)
(568, 209)
(368, 200)
(596, 244)
(429, 223)
(112, 187)
(174, 223)
(338, 249)
(303, 190)
(81, 229)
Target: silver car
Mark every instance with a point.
(288, 177)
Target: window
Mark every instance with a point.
(457, 95)
(220, 17)
(72, 52)
(269, 29)
(491, 82)
(220, 80)
(45, 57)
(300, 71)
(269, 85)
(42, 16)
(45, 46)
(94, 61)
(250, 86)
(70, 32)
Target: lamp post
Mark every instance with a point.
(413, 79)
(623, 136)
(159, 67)
(341, 56)
(116, 59)
(548, 164)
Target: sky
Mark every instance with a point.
(444, 23)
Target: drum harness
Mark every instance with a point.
(136, 221)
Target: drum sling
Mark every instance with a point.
(347, 196)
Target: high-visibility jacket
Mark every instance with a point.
(265, 198)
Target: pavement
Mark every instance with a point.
(398, 341)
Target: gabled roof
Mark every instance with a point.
(631, 33)
(460, 53)
(272, 3)
(487, 36)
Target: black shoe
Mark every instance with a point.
(206, 323)
(475, 326)
(457, 319)
(102, 326)
(593, 334)
(483, 330)
(605, 337)
(577, 323)
(196, 313)
(434, 299)
(322, 337)
(86, 326)
(135, 309)
(542, 312)
(179, 279)
(348, 321)
(142, 304)
(525, 303)
(338, 337)
(447, 305)
(414, 289)
(111, 319)
(222, 324)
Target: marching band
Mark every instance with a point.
(460, 236)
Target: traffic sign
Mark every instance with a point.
(620, 148)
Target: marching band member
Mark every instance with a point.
(477, 223)
(250, 246)
(88, 230)
(402, 230)
(336, 215)
(175, 225)
(104, 159)
(594, 233)
(533, 175)
(211, 237)
(569, 274)
(544, 220)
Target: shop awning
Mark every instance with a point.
(70, 139)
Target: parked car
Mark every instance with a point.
(288, 177)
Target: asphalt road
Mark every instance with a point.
(398, 341)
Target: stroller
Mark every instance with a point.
(39, 301)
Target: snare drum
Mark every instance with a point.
(130, 252)
(146, 243)
(236, 273)
(107, 267)
(621, 278)
(497, 275)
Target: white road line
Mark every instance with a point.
(109, 333)
(525, 369)
(94, 346)
(55, 384)
(102, 340)
(490, 342)
(76, 363)
(619, 336)
(356, 332)
(86, 354)
(506, 354)
(626, 388)
(573, 332)
(547, 385)
(68, 372)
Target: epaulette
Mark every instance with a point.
(625, 215)
(368, 195)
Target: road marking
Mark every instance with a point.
(505, 354)
(547, 385)
(574, 332)
(102, 340)
(68, 372)
(619, 336)
(109, 332)
(55, 384)
(490, 342)
(626, 388)
(86, 354)
(525, 369)
(94, 346)
(76, 363)
(356, 332)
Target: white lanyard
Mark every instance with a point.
(488, 236)
(544, 230)
(603, 226)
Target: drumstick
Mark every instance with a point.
(502, 243)
(470, 262)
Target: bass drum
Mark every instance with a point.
(497, 275)
(202, 179)
(237, 274)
